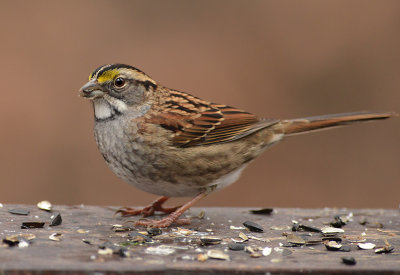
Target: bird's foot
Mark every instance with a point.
(173, 217)
(148, 210)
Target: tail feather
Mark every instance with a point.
(301, 125)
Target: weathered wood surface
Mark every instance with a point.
(93, 223)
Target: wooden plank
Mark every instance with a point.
(94, 223)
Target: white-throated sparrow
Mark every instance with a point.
(173, 144)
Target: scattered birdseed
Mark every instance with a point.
(105, 251)
(387, 248)
(55, 219)
(256, 255)
(303, 227)
(44, 205)
(55, 237)
(332, 245)
(366, 246)
(266, 240)
(267, 251)
(217, 254)
(252, 226)
(295, 239)
(262, 211)
(345, 248)
(153, 231)
(82, 231)
(87, 241)
(210, 240)
(329, 231)
(121, 228)
(28, 225)
(162, 250)
(236, 227)
(249, 249)
(184, 231)
(23, 244)
(202, 257)
(14, 240)
(349, 260)
(236, 246)
(243, 236)
(123, 252)
(19, 211)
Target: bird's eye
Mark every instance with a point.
(119, 82)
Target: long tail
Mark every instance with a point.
(301, 125)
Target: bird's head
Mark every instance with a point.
(114, 88)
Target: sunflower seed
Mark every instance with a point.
(295, 239)
(44, 205)
(349, 260)
(252, 226)
(19, 211)
(208, 240)
(217, 254)
(55, 219)
(262, 211)
(27, 225)
(332, 245)
(236, 246)
(55, 237)
(366, 246)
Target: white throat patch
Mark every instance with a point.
(108, 106)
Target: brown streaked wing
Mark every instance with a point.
(196, 122)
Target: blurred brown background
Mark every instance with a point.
(281, 59)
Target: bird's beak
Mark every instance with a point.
(91, 90)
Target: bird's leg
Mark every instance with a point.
(148, 210)
(173, 217)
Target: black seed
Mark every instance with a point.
(295, 227)
(153, 231)
(123, 252)
(10, 242)
(56, 220)
(27, 225)
(236, 246)
(384, 249)
(206, 240)
(336, 239)
(336, 223)
(303, 227)
(19, 211)
(252, 226)
(345, 248)
(262, 211)
(349, 260)
(87, 241)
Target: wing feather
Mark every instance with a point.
(194, 122)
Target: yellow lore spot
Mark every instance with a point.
(107, 76)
